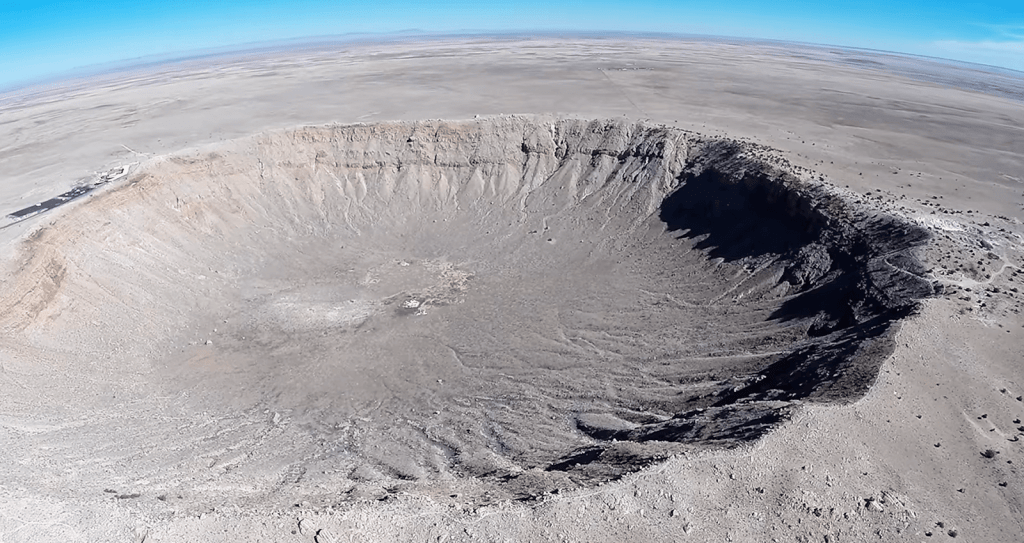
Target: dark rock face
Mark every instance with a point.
(853, 272)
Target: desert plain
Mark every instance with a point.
(515, 289)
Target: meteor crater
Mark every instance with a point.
(524, 302)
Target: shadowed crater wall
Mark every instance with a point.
(533, 302)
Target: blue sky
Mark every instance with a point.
(45, 39)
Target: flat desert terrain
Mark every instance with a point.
(515, 289)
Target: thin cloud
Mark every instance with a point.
(1003, 32)
(1006, 53)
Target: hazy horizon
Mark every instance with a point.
(45, 43)
(325, 43)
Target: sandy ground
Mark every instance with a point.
(904, 463)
